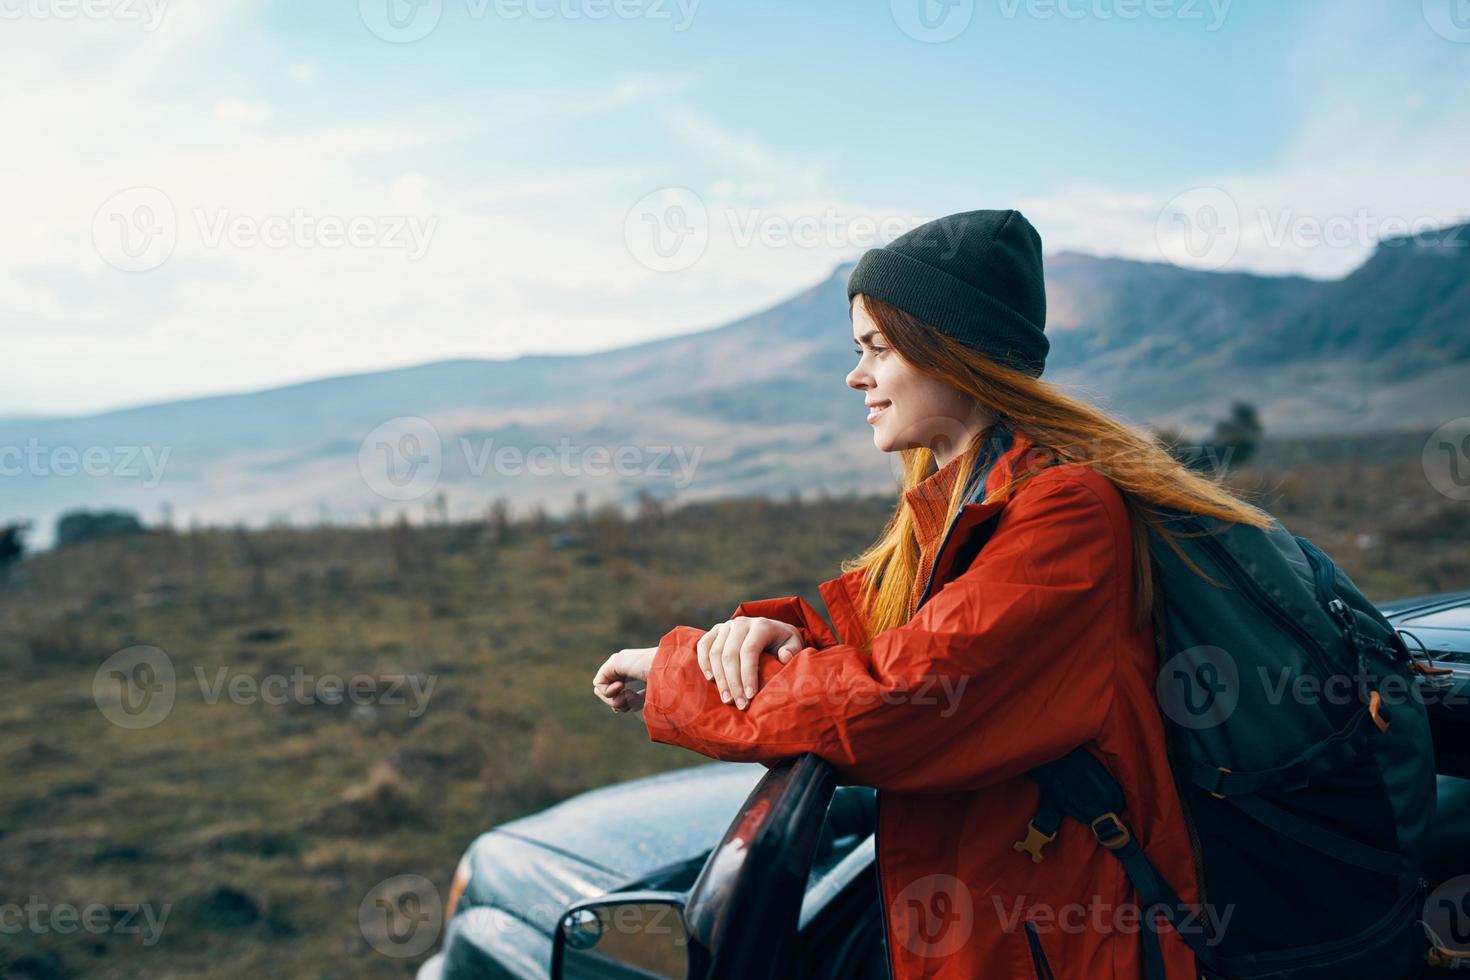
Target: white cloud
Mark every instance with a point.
(1370, 160)
(243, 112)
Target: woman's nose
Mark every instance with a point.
(857, 378)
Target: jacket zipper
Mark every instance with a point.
(982, 475)
(878, 864)
(1038, 954)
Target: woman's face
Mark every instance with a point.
(906, 407)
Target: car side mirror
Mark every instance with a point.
(632, 934)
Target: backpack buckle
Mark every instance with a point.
(1220, 773)
(1375, 708)
(1034, 842)
(1110, 832)
(1444, 958)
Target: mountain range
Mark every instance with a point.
(759, 406)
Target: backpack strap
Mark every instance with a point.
(1077, 785)
(1332, 753)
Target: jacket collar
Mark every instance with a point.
(1015, 454)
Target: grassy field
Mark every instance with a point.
(262, 827)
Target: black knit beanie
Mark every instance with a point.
(975, 276)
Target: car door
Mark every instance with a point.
(743, 912)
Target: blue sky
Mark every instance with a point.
(178, 177)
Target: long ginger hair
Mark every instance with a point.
(1061, 427)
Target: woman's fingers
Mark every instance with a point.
(734, 640)
(717, 659)
(790, 647)
(627, 701)
(701, 652)
(760, 636)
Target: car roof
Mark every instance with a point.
(1402, 608)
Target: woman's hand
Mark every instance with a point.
(729, 654)
(621, 669)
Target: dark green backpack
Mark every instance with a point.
(1301, 749)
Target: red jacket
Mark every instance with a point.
(1025, 655)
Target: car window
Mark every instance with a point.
(1454, 618)
(850, 819)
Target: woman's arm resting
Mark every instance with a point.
(1008, 666)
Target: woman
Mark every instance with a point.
(947, 675)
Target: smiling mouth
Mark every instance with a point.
(877, 410)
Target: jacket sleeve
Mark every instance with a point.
(795, 611)
(1008, 666)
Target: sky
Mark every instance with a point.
(207, 196)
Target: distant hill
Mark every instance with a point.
(762, 400)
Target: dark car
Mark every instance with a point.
(652, 878)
